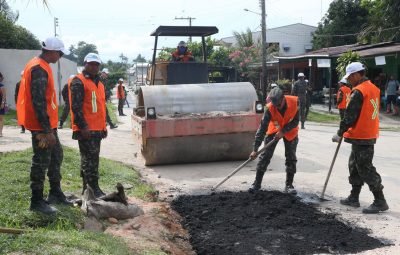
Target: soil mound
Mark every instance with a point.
(267, 222)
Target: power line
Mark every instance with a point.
(354, 34)
(190, 23)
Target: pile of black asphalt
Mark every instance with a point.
(267, 222)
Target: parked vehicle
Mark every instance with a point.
(181, 117)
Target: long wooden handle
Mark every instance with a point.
(331, 167)
(243, 164)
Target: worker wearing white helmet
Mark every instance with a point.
(300, 90)
(88, 119)
(343, 96)
(121, 97)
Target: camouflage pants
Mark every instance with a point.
(341, 113)
(290, 154)
(49, 159)
(361, 168)
(108, 118)
(302, 109)
(65, 112)
(90, 151)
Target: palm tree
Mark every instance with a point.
(244, 39)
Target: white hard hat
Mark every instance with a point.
(92, 57)
(353, 68)
(273, 85)
(300, 75)
(120, 79)
(71, 76)
(54, 44)
(105, 70)
(22, 72)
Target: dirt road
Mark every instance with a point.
(315, 152)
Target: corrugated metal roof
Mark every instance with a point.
(365, 50)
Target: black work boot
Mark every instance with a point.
(56, 196)
(38, 204)
(352, 199)
(302, 125)
(112, 125)
(60, 125)
(96, 189)
(289, 184)
(379, 204)
(257, 182)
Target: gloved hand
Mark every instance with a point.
(46, 140)
(253, 155)
(336, 138)
(278, 135)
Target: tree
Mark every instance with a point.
(383, 21)
(16, 37)
(340, 25)
(244, 39)
(7, 13)
(139, 58)
(79, 52)
(344, 60)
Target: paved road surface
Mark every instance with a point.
(315, 152)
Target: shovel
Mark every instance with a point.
(245, 163)
(321, 198)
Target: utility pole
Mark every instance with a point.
(264, 50)
(190, 23)
(58, 64)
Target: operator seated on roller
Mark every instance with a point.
(280, 120)
(182, 54)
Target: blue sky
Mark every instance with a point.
(124, 26)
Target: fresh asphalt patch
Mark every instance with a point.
(267, 222)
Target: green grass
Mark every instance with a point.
(323, 117)
(60, 234)
(10, 118)
(111, 110)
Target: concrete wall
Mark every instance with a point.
(12, 62)
(293, 39)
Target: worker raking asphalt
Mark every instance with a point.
(267, 222)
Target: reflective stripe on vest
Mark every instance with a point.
(94, 104)
(25, 110)
(278, 121)
(367, 124)
(346, 91)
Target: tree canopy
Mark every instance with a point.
(79, 51)
(16, 37)
(340, 25)
(364, 21)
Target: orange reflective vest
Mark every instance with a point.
(278, 121)
(26, 112)
(120, 92)
(94, 104)
(367, 124)
(186, 57)
(345, 91)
